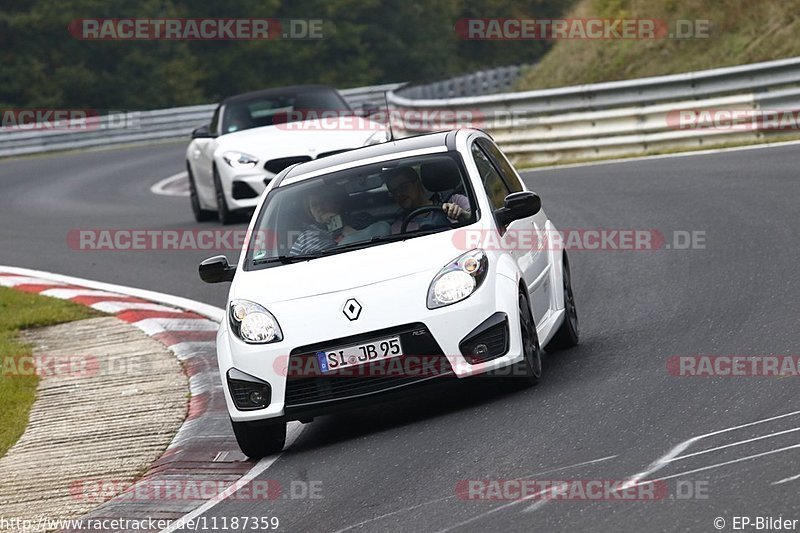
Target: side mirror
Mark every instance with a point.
(216, 269)
(202, 132)
(519, 205)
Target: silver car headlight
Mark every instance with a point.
(459, 279)
(240, 160)
(252, 323)
(377, 138)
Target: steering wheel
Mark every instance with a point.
(417, 212)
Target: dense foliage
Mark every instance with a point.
(365, 42)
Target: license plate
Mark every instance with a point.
(358, 355)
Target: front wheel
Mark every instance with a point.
(225, 215)
(529, 371)
(257, 441)
(567, 334)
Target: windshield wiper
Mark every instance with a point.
(288, 259)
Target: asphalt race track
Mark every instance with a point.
(606, 410)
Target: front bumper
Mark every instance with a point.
(243, 188)
(439, 334)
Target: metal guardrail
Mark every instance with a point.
(615, 118)
(143, 126)
(492, 81)
(534, 127)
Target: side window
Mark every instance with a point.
(502, 164)
(213, 127)
(495, 188)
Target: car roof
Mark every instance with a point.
(417, 142)
(273, 92)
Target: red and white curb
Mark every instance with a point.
(204, 447)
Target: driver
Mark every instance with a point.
(238, 120)
(406, 188)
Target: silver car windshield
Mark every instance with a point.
(361, 207)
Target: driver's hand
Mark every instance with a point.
(455, 212)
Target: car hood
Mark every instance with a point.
(347, 270)
(307, 137)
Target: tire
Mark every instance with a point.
(200, 214)
(568, 334)
(225, 215)
(529, 371)
(257, 441)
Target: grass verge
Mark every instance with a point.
(21, 310)
(740, 32)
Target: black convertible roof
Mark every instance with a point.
(275, 91)
(418, 142)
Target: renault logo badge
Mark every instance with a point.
(352, 309)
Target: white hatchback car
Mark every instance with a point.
(382, 268)
(254, 136)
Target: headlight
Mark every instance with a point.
(377, 138)
(240, 160)
(252, 323)
(458, 280)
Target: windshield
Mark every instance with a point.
(361, 207)
(280, 108)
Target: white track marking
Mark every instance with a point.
(662, 156)
(113, 307)
(13, 281)
(672, 455)
(770, 419)
(214, 313)
(162, 186)
(733, 444)
(733, 461)
(664, 460)
(68, 294)
(430, 502)
(293, 431)
(660, 463)
(786, 480)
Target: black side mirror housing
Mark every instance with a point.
(216, 270)
(518, 205)
(203, 132)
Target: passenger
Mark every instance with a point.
(333, 225)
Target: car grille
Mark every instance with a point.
(418, 345)
(277, 165)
